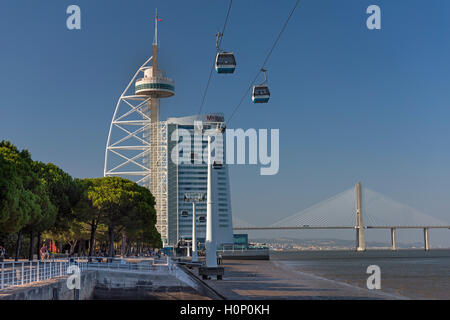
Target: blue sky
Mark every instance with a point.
(351, 104)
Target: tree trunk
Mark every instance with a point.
(38, 252)
(31, 251)
(111, 241)
(81, 246)
(18, 244)
(72, 244)
(124, 243)
(92, 240)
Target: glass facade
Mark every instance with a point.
(191, 177)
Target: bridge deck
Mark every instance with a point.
(340, 227)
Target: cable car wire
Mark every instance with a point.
(214, 64)
(264, 63)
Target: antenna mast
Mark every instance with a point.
(155, 40)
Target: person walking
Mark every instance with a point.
(44, 252)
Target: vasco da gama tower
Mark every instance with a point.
(139, 147)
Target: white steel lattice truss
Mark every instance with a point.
(137, 147)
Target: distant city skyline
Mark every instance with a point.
(351, 104)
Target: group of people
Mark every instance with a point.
(44, 253)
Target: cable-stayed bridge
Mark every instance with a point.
(359, 209)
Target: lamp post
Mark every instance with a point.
(210, 241)
(194, 197)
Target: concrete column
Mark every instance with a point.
(210, 243)
(360, 239)
(194, 238)
(394, 238)
(426, 238)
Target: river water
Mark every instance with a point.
(414, 274)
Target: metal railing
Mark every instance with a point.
(21, 273)
(18, 273)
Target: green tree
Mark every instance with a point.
(22, 195)
(122, 205)
(64, 193)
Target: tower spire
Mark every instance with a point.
(155, 40)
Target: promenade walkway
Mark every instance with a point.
(253, 279)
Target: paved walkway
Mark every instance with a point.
(272, 280)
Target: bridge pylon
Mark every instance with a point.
(360, 239)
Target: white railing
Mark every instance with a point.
(21, 273)
(18, 273)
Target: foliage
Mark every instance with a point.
(38, 197)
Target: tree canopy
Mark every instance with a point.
(37, 197)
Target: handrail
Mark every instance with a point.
(17, 273)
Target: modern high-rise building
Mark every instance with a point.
(139, 148)
(192, 178)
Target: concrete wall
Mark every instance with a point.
(110, 285)
(53, 289)
(129, 285)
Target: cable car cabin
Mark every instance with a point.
(221, 127)
(217, 165)
(202, 219)
(184, 213)
(225, 62)
(261, 94)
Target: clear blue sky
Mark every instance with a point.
(351, 104)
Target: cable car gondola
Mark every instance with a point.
(221, 127)
(261, 93)
(184, 213)
(225, 61)
(202, 219)
(217, 165)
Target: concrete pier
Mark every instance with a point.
(360, 239)
(426, 239)
(112, 285)
(394, 238)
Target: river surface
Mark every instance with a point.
(413, 274)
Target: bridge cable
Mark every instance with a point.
(265, 60)
(213, 66)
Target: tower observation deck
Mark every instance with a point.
(137, 141)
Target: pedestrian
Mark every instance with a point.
(44, 252)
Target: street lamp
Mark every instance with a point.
(194, 197)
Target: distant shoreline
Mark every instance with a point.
(370, 253)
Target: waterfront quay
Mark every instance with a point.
(269, 280)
